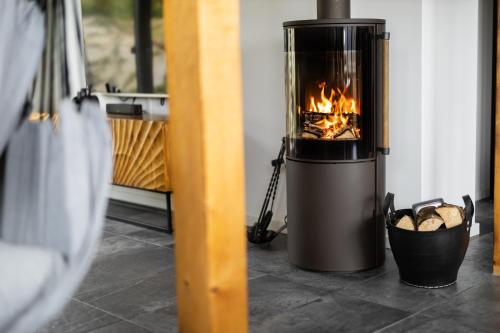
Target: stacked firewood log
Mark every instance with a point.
(431, 218)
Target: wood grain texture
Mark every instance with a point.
(206, 125)
(496, 235)
(140, 154)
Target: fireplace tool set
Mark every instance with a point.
(260, 232)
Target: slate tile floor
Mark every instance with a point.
(131, 288)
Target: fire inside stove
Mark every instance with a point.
(332, 114)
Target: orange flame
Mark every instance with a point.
(338, 109)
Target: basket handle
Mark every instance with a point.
(388, 204)
(468, 210)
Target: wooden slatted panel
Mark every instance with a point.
(140, 154)
(204, 80)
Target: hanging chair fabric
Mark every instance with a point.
(57, 171)
(71, 203)
(47, 184)
(21, 44)
(26, 273)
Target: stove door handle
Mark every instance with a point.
(385, 93)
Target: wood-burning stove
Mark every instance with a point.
(336, 76)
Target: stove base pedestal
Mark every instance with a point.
(334, 217)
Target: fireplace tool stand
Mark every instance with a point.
(259, 232)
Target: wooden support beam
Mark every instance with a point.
(496, 235)
(206, 144)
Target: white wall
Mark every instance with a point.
(449, 98)
(403, 19)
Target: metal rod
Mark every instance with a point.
(143, 46)
(331, 9)
(170, 227)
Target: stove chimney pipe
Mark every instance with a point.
(334, 9)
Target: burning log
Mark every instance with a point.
(321, 126)
(314, 117)
(308, 134)
(451, 214)
(346, 133)
(428, 219)
(313, 129)
(406, 222)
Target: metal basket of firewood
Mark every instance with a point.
(429, 241)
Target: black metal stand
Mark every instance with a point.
(259, 232)
(170, 228)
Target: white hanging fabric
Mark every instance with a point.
(56, 183)
(47, 190)
(72, 210)
(21, 44)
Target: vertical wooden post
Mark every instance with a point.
(496, 235)
(206, 144)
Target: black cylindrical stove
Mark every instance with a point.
(337, 138)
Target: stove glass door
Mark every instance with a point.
(330, 91)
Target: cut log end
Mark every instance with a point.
(428, 219)
(406, 222)
(431, 224)
(451, 214)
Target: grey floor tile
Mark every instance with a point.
(158, 219)
(475, 310)
(336, 281)
(270, 296)
(78, 317)
(421, 323)
(480, 251)
(120, 228)
(106, 234)
(270, 259)
(132, 281)
(122, 262)
(481, 240)
(253, 274)
(152, 237)
(117, 244)
(389, 291)
(146, 296)
(163, 320)
(121, 327)
(335, 313)
(273, 260)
